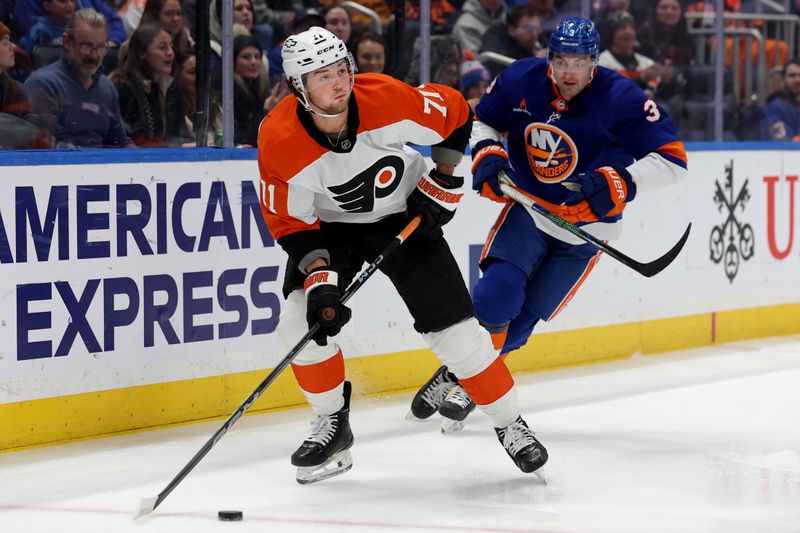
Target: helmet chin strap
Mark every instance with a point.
(321, 114)
(309, 107)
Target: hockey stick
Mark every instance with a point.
(148, 505)
(645, 269)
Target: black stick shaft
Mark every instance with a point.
(351, 290)
(646, 269)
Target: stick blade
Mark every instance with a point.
(651, 269)
(146, 506)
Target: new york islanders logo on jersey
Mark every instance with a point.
(552, 154)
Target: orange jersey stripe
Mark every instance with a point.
(494, 230)
(274, 202)
(277, 164)
(284, 146)
(320, 377)
(576, 286)
(675, 149)
(490, 384)
(383, 100)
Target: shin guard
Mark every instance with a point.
(466, 348)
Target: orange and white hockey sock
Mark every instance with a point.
(499, 339)
(466, 348)
(490, 384)
(494, 391)
(322, 383)
(318, 369)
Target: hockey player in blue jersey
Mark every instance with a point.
(583, 141)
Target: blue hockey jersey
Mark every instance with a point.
(611, 122)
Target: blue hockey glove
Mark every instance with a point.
(435, 198)
(488, 160)
(606, 191)
(324, 304)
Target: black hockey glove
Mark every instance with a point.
(324, 304)
(435, 198)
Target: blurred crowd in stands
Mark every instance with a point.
(121, 73)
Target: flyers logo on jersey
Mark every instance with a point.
(378, 181)
(552, 154)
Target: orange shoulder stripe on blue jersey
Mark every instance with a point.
(675, 152)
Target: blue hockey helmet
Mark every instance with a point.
(574, 35)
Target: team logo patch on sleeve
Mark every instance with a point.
(378, 181)
(552, 154)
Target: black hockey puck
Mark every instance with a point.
(230, 516)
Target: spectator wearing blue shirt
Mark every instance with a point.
(26, 12)
(70, 97)
(48, 29)
(780, 119)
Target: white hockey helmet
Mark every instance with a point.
(308, 51)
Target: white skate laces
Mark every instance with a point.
(516, 437)
(323, 429)
(435, 395)
(459, 397)
(521, 445)
(455, 409)
(432, 395)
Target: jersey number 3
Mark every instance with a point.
(651, 109)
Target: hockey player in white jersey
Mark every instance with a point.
(339, 182)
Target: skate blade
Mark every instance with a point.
(451, 426)
(336, 465)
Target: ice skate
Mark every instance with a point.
(432, 394)
(523, 448)
(455, 408)
(325, 452)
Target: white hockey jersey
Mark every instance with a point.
(369, 175)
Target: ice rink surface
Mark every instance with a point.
(698, 441)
